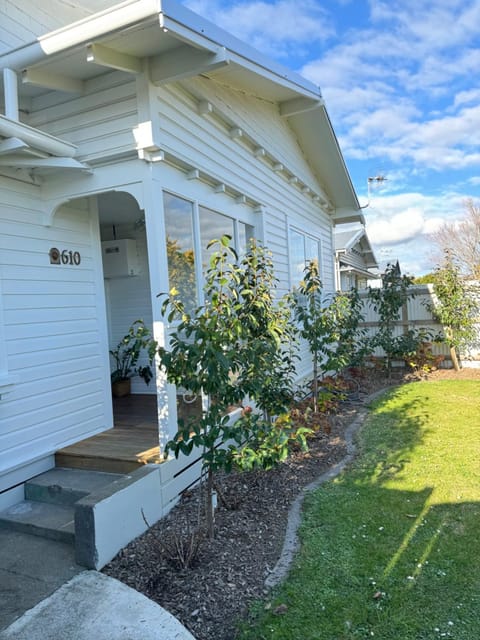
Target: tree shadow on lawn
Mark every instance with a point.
(395, 430)
(384, 562)
(380, 557)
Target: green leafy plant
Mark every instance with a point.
(454, 307)
(135, 343)
(351, 344)
(422, 360)
(230, 349)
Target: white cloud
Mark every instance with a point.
(400, 87)
(398, 228)
(467, 97)
(397, 89)
(274, 28)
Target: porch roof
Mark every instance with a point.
(171, 42)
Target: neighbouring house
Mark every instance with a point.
(132, 133)
(354, 258)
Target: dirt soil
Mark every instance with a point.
(228, 573)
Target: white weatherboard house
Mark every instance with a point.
(119, 130)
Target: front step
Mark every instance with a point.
(52, 521)
(99, 513)
(66, 486)
(49, 506)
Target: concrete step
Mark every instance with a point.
(66, 486)
(52, 521)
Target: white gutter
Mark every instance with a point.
(81, 32)
(35, 138)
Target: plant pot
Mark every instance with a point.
(121, 388)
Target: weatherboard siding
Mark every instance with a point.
(53, 334)
(22, 21)
(204, 142)
(353, 259)
(54, 317)
(99, 122)
(260, 119)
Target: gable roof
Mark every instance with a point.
(355, 239)
(177, 44)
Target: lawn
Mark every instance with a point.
(391, 548)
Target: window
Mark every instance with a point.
(180, 248)
(189, 229)
(214, 225)
(303, 248)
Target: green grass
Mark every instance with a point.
(391, 549)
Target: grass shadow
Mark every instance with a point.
(394, 429)
(390, 548)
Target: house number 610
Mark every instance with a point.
(64, 257)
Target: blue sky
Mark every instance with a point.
(401, 81)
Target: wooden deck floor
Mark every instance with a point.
(132, 442)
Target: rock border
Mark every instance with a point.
(291, 543)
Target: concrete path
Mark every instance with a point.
(44, 595)
(92, 605)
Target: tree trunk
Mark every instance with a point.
(315, 382)
(209, 506)
(453, 356)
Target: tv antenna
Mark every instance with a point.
(378, 179)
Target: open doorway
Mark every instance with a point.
(127, 294)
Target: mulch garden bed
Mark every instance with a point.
(229, 572)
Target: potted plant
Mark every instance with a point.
(137, 341)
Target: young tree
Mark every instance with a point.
(462, 240)
(228, 349)
(387, 302)
(310, 314)
(330, 325)
(454, 307)
(352, 344)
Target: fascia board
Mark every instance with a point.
(186, 24)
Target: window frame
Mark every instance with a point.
(197, 204)
(305, 235)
